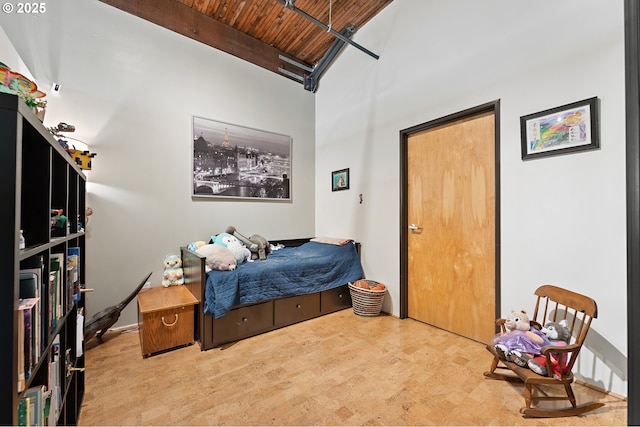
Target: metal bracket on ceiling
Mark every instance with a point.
(289, 4)
(295, 63)
(311, 80)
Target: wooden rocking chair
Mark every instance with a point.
(553, 305)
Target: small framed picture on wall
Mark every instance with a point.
(340, 180)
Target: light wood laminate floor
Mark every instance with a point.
(340, 369)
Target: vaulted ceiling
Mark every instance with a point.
(297, 39)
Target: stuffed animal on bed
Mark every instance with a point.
(230, 242)
(247, 254)
(217, 257)
(521, 338)
(257, 245)
(173, 273)
(193, 246)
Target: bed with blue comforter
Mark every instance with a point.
(306, 269)
(302, 280)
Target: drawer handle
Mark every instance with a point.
(298, 306)
(244, 319)
(170, 324)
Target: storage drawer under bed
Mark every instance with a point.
(335, 299)
(243, 322)
(296, 309)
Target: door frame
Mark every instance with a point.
(632, 113)
(493, 106)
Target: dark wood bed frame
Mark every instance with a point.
(252, 319)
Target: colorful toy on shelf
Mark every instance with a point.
(59, 223)
(17, 84)
(82, 158)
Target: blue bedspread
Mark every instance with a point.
(305, 269)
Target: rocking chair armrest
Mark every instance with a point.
(547, 349)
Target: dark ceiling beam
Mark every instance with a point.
(311, 81)
(188, 22)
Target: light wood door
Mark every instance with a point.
(451, 249)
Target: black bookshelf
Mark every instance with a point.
(38, 176)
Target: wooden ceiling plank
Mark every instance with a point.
(237, 13)
(212, 8)
(224, 12)
(271, 23)
(174, 15)
(257, 15)
(200, 5)
(312, 41)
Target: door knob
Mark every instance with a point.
(414, 227)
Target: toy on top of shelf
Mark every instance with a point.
(17, 84)
(81, 157)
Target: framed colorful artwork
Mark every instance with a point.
(561, 130)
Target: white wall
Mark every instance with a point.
(131, 88)
(562, 218)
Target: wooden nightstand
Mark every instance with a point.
(165, 318)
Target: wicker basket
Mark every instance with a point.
(366, 302)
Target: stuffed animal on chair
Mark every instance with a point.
(173, 273)
(560, 336)
(521, 338)
(257, 245)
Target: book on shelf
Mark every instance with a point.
(31, 287)
(28, 327)
(79, 332)
(51, 302)
(34, 285)
(29, 284)
(68, 288)
(46, 401)
(56, 263)
(73, 259)
(55, 399)
(36, 405)
(23, 412)
(21, 373)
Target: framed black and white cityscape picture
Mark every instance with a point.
(233, 161)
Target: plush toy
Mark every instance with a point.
(247, 254)
(217, 257)
(559, 335)
(521, 338)
(264, 247)
(258, 245)
(173, 274)
(230, 242)
(193, 246)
